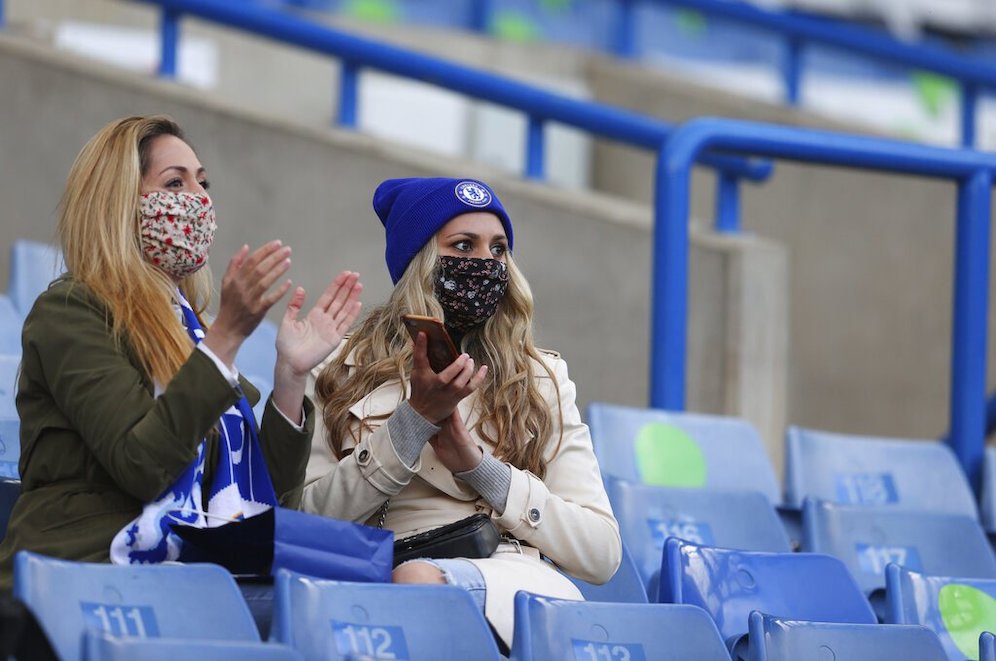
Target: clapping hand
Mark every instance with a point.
(302, 343)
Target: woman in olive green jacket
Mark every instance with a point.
(113, 396)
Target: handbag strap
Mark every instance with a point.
(382, 514)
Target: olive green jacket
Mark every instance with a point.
(96, 445)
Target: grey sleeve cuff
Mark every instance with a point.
(409, 433)
(492, 479)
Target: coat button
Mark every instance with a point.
(534, 515)
(364, 456)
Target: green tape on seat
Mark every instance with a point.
(966, 613)
(668, 457)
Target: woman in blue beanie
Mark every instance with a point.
(498, 431)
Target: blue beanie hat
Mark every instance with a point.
(412, 211)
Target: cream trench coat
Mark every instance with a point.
(566, 517)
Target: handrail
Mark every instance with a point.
(973, 171)
(799, 30)
(539, 105)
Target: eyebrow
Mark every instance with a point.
(181, 168)
(472, 235)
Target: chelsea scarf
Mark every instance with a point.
(241, 487)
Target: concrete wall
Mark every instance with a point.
(587, 255)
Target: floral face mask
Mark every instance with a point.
(469, 289)
(176, 230)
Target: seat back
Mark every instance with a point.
(884, 472)
(730, 583)
(325, 619)
(689, 450)
(786, 639)
(33, 266)
(987, 497)
(869, 538)
(10, 491)
(10, 442)
(10, 365)
(648, 515)
(256, 359)
(11, 322)
(957, 610)
(625, 586)
(143, 601)
(101, 646)
(558, 629)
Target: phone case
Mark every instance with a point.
(441, 350)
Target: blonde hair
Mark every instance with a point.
(98, 231)
(515, 418)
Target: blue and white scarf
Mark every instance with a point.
(241, 487)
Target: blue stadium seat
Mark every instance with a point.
(987, 498)
(10, 365)
(869, 538)
(648, 515)
(11, 322)
(33, 266)
(668, 449)
(626, 585)
(10, 491)
(787, 639)
(558, 629)
(100, 646)
(729, 584)
(884, 472)
(256, 358)
(957, 610)
(10, 442)
(987, 646)
(154, 601)
(325, 619)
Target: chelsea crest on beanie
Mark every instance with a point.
(412, 211)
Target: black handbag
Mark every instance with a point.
(474, 537)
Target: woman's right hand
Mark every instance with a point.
(435, 396)
(246, 296)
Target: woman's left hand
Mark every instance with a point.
(454, 446)
(304, 343)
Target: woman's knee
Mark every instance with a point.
(416, 571)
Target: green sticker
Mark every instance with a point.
(374, 11)
(668, 457)
(513, 26)
(556, 5)
(691, 22)
(934, 92)
(966, 613)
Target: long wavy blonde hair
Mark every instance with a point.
(99, 233)
(515, 418)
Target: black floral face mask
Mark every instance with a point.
(469, 289)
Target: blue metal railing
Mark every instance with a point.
(799, 31)
(356, 53)
(974, 173)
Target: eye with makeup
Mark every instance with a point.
(499, 250)
(176, 183)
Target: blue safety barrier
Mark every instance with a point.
(799, 31)
(540, 106)
(972, 171)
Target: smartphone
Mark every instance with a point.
(441, 350)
